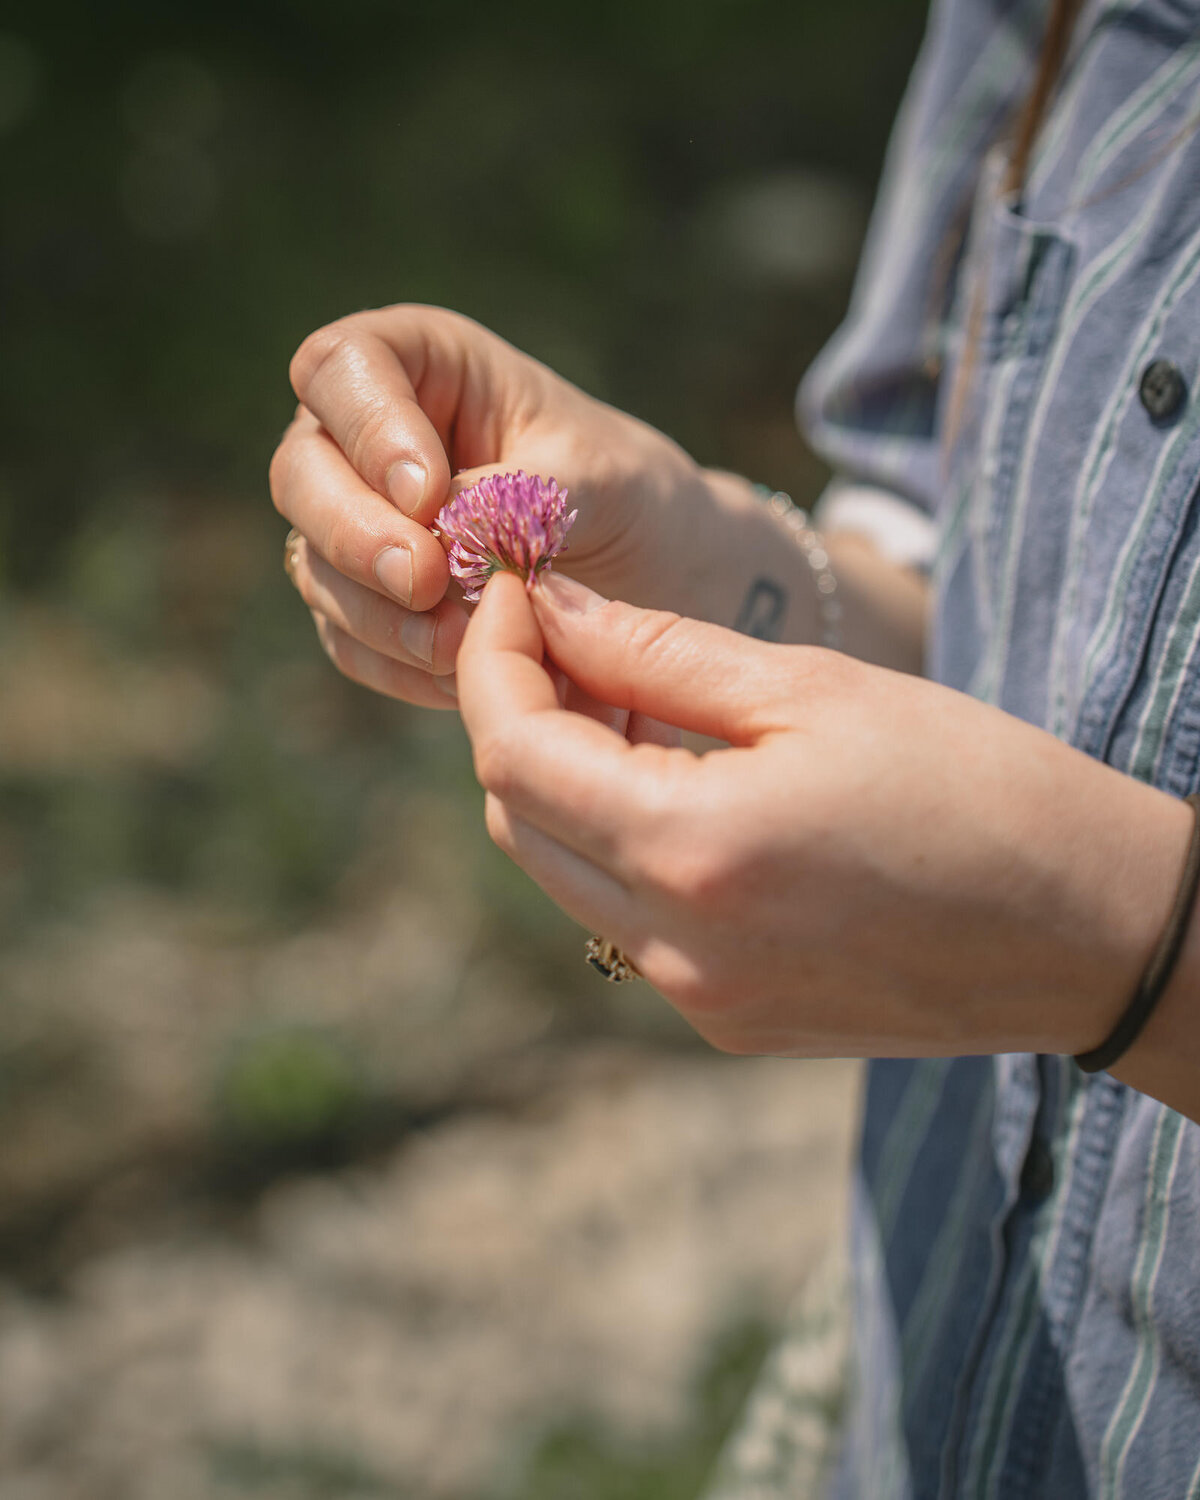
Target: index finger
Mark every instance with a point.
(563, 772)
(355, 530)
(359, 383)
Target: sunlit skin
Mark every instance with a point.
(877, 865)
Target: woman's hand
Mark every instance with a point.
(875, 866)
(392, 404)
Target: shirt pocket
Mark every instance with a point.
(1017, 276)
(1027, 275)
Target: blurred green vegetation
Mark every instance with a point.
(285, 1089)
(189, 190)
(578, 1462)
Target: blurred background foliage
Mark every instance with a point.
(249, 922)
(661, 200)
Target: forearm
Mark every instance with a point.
(737, 564)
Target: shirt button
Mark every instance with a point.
(1163, 389)
(1037, 1175)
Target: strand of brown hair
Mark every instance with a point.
(1060, 24)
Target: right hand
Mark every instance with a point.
(395, 402)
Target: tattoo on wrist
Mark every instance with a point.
(763, 610)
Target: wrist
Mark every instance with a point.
(750, 573)
(1164, 1059)
(701, 539)
(739, 562)
(746, 563)
(1051, 874)
(1102, 860)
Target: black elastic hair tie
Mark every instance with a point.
(1162, 962)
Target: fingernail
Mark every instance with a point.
(447, 685)
(416, 636)
(568, 595)
(406, 485)
(393, 568)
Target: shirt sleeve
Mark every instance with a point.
(871, 403)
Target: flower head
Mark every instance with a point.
(517, 522)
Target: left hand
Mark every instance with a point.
(395, 400)
(876, 865)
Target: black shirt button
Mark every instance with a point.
(1037, 1174)
(1163, 390)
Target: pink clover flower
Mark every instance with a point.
(517, 522)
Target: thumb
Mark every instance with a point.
(696, 676)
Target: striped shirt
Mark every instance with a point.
(1026, 1239)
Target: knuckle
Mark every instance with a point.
(699, 869)
(334, 342)
(366, 439)
(497, 823)
(334, 356)
(277, 474)
(494, 766)
(325, 636)
(338, 647)
(340, 548)
(305, 585)
(692, 990)
(831, 672)
(655, 632)
(697, 878)
(447, 638)
(680, 854)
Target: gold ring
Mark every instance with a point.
(607, 959)
(291, 544)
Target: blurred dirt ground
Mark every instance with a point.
(412, 1326)
(327, 1168)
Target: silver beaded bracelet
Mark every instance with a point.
(812, 544)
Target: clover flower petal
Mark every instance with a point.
(517, 522)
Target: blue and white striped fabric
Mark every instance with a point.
(1026, 1283)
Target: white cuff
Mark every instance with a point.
(902, 531)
